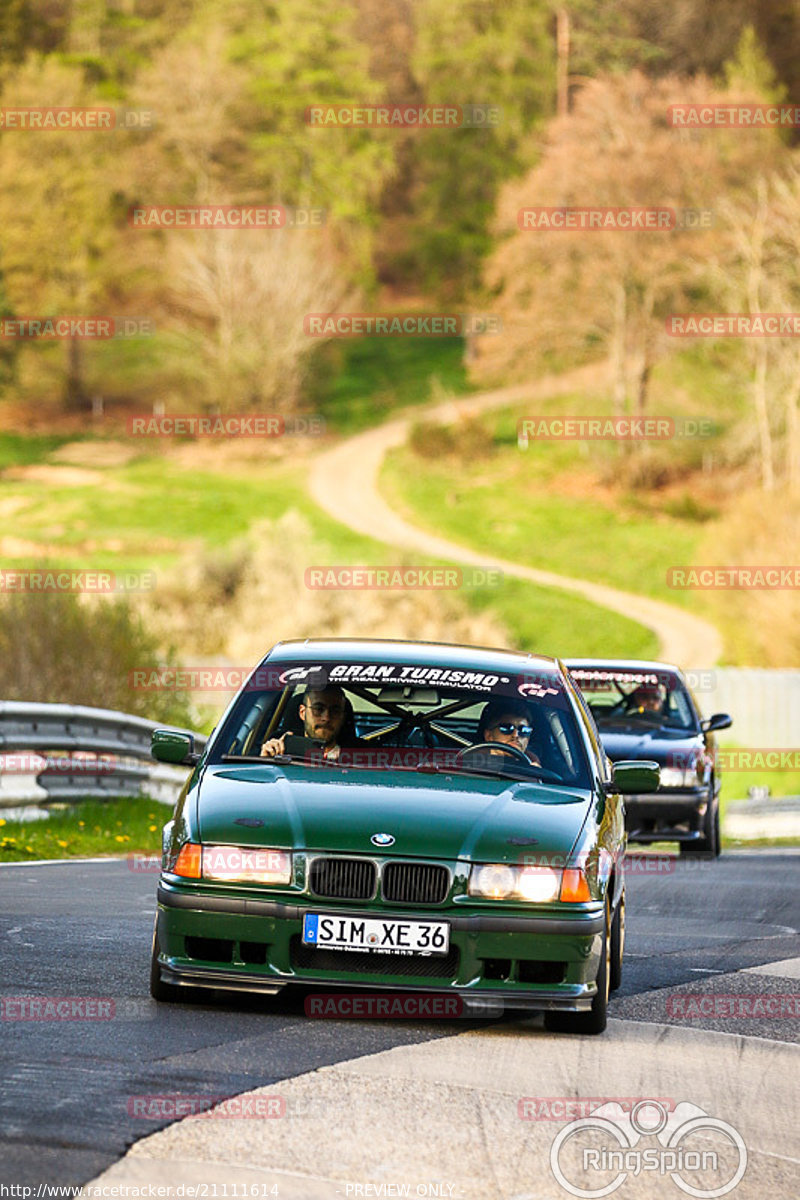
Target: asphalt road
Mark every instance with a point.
(83, 930)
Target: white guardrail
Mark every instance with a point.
(63, 752)
(763, 701)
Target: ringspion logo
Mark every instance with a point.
(594, 1155)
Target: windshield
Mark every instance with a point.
(636, 698)
(395, 716)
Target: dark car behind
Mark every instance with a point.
(646, 710)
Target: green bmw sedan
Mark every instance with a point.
(406, 816)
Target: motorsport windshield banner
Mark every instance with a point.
(534, 685)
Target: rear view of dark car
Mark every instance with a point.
(645, 710)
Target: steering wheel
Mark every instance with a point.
(504, 746)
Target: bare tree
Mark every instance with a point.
(242, 297)
(566, 294)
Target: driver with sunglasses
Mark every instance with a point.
(507, 722)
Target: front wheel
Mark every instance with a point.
(708, 844)
(596, 1019)
(169, 993)
(617, 945)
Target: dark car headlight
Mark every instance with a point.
(679, 777)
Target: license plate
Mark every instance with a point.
(373, 933)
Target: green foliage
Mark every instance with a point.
(750, 70)
(607, 37)
(295, 55)
(469, 439)
(357, 382)
(14, 18)
(56, 649)
(490, 54)
(9, 349)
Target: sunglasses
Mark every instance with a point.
(510, 727)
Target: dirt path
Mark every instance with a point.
(344, 482)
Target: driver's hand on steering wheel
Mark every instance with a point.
(272, 747)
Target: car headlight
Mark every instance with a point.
(538, 885)
(678, 777)
(234, 864)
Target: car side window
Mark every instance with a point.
(601, 758)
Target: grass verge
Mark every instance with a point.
(88, 829)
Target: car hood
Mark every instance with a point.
(659, 744)
(450, 817)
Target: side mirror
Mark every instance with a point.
(631, 778)
(170, 746)
(718, 721)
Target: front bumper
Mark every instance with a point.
(675, 816)
(252, 944)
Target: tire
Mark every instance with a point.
(708, 844)
(617, 945)
(595, 1020)
(717, 836)
(169, 993)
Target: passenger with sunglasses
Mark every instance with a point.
(507, 722)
